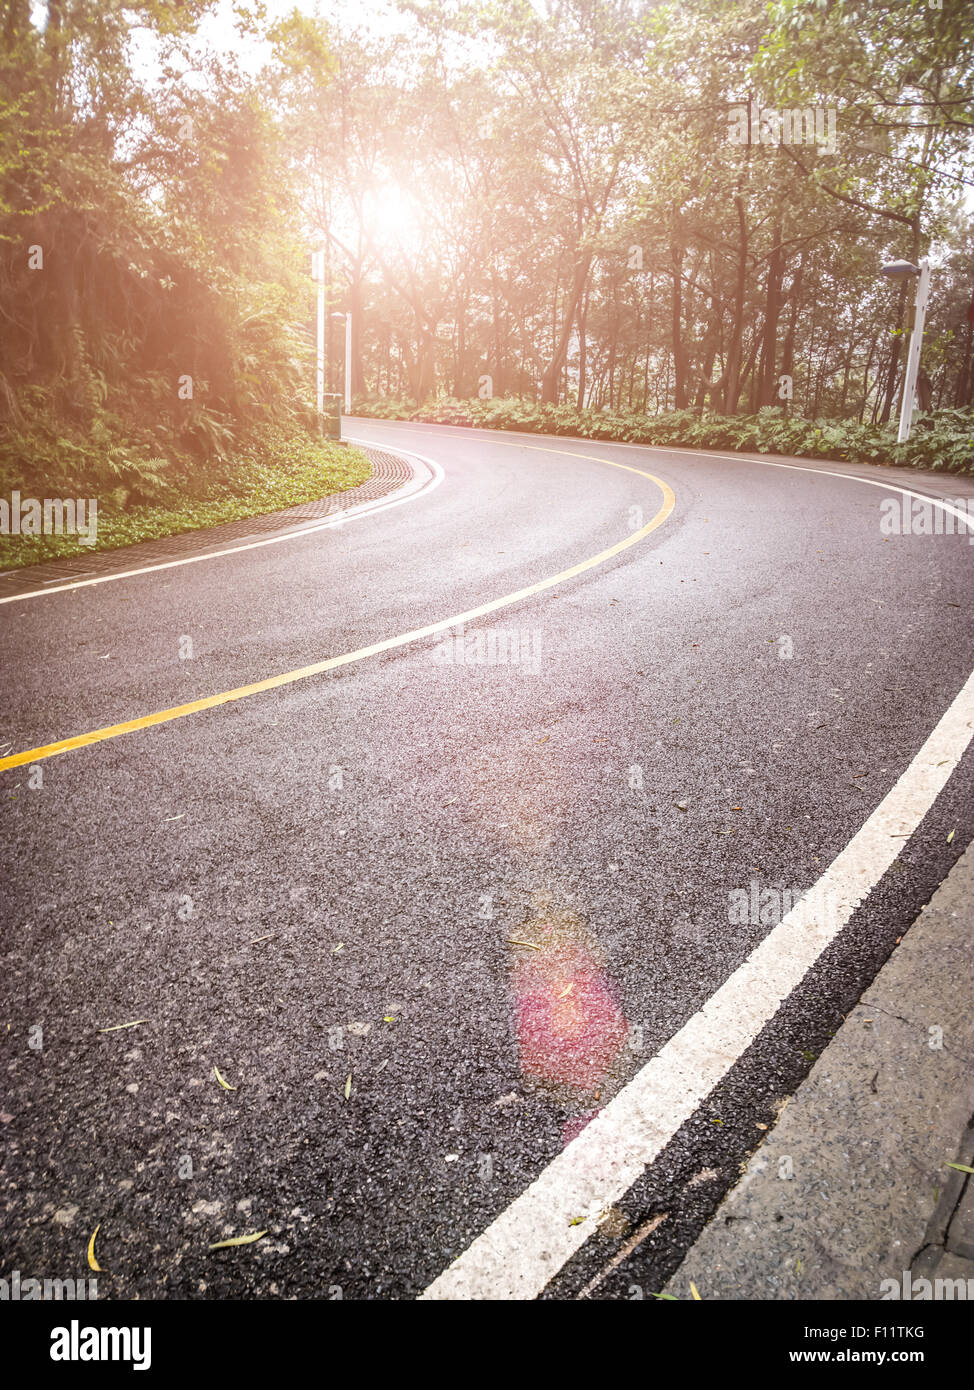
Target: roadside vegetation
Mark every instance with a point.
(276, 470)
(581, 220)
(942, 440)
(154, 296)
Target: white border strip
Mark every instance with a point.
(530, 1242)
(467, 430)
(407, 493)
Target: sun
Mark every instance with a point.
(393, 218)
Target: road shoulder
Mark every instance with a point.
(852, 1187)
(393, 475)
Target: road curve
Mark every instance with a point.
(434, 909)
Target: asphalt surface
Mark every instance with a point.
(396, 826)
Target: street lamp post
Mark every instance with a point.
(348, 359)
(318, 272)
(897, 269)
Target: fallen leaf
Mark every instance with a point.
(116, 1026)
(92, 1262)
(666, 1297)
(238, 1240)
(961, 1167)
(693, 1290)
(225, 1084)
(951, 836)
(513, 941)
(348, 1086)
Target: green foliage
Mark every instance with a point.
(150, 292)
(943, 440)
(274, 470)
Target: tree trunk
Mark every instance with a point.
(553, 371)
(582, 345)
(766, 394)
(732, 384)
(896, 349)
(676, 328)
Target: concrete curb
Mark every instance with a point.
(396, 475)
(852, 1187)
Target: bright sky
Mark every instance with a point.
(374, 16)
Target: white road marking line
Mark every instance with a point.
(705, 454)
(519, 1254)
(337, 519)
(529, 1243)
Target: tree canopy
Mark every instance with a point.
(619, 205)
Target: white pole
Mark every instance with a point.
(913, 356)
(348, 364)
(318, 270)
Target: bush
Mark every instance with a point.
(942, 440)
(276, 468)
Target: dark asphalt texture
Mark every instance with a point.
(396, 822)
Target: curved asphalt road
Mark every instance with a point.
(724, 701)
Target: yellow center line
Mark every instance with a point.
(225, 697)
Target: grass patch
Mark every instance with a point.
(276, 471)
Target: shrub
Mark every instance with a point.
(942, 440)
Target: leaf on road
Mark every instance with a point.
(116, 1026)
(238, 1240)
(92, 1262)
(576, 1220)
(543, 740)
(961, 1167)
(567, 990)
(263, 938)
(513, 941)
(951, 836)
(225, 1084)
(693, 1290)
(339, 947)
(348, 1086)
(666, 1297)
